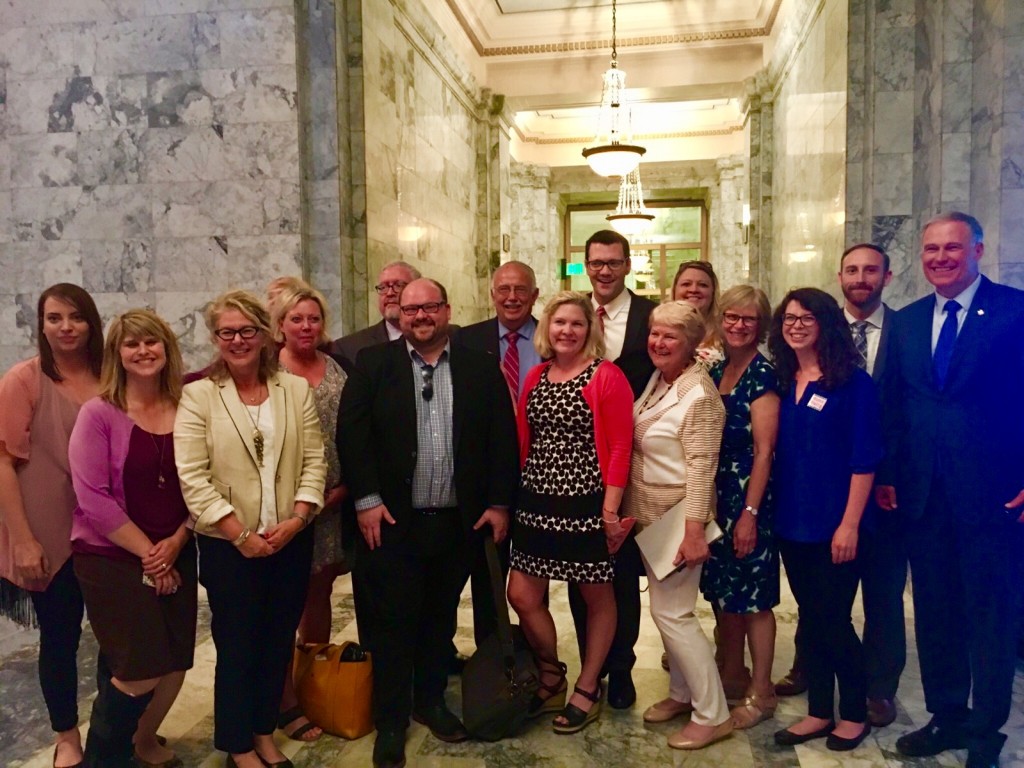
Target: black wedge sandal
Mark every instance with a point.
(575, 718)
(555, 699)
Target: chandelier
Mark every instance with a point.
(614, 155)
(631, 216)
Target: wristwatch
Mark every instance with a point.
(751, 510)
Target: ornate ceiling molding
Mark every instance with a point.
(642, 137)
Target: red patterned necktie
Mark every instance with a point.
(602, 313)
(510, 364)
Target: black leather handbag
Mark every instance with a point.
(499, 680)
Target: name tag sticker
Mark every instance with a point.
(817, 402)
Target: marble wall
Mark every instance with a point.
(808, 91)
(149, 152)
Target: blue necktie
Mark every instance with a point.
(944, 347)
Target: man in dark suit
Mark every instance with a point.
(623, 316)
(509, 338)
(390, 282)
(430, 456)
(954, 420)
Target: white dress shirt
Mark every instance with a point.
(964, 299)
(872, 332)
(617, 313)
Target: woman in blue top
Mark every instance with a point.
(828, 445)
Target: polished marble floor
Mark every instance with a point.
(617, 739)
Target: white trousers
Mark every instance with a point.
(693, 674)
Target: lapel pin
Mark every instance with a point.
(981, 312)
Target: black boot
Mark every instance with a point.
(115, 716)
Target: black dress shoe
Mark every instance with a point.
(457, 663)
(881, 712)
(621, 691)
(441, 722)
(931, 740)
(389, 749)
(786, 738)
(841, 744)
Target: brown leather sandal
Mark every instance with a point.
(555, 699)
(754, 709)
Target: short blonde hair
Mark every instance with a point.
(748, 296)
(682, 315)
(139, 324)
(594, 345)
(286, 301)
(253, 310)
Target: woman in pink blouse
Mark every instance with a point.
(39, 401)
(133, 553)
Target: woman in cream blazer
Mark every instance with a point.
(250, 459)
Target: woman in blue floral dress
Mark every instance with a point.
(742, 576)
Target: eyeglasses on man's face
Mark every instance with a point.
(734, 318)
(395, 286)
(431, 308)
(520, 291)
(596, 265)
(228, 334)
(804, 321)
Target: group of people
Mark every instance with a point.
(841, 440)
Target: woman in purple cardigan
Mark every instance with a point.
(133, 554)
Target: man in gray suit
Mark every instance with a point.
(390, 282)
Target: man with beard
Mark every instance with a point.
(429, 450)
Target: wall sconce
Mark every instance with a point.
(745, 226)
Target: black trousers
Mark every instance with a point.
(831, 650)
(968, 580)
(413, 582)
(59, 610)
(626, 583)
(256, 604)
(882, 565)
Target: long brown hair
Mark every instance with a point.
(80, 299)
(139, 324)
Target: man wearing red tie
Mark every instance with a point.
(509, 336)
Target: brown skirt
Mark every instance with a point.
(141, 635)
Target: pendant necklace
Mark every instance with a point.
(160, 480)
(257, 435)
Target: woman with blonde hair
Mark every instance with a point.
(742, 577)
(39, 402)
(678, 421)
(574, 436)
(133, 553)
(697, 284)
(299, 320)
(250, 458)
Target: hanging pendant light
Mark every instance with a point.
(631, 216)
(615, 155)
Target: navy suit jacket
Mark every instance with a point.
(970, 433)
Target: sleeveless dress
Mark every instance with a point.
(558, 533)
(750, 584)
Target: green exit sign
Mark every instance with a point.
(574, 268)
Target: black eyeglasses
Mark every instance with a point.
(431, 308)
(596, 265)
(427, 372)
(805, 321)
(395, 286)
(228, 334)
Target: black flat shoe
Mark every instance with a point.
(621, 691)
(931, 740)
(442, 723)
(389, 749)
(840, 744)
(786, 738)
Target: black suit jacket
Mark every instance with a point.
(634, 360)
(377, 432)
(345, 349)
(878, 371)
(970, 433)
(482, 336)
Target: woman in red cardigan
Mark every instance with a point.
(575, 436)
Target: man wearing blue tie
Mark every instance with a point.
(954, 421)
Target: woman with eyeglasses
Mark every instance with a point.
(39, 402)
(742, 577)
(575, 435)
(697, 284)
(250, 458)
(828, 445)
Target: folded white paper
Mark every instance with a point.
(660, 540)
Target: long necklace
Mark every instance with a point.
(257, 435)
(647, 404)
(161, 481)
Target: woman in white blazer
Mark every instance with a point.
(250, 459)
